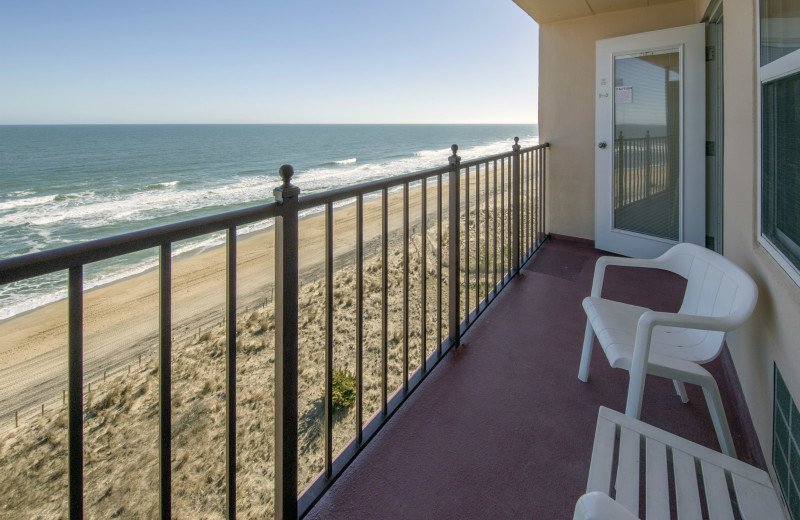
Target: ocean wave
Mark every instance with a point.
(14, 204)
(112, 208)
(161, 185)
(346, 161)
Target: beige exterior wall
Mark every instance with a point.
(566, 104)
(773, 333)
(566, 120)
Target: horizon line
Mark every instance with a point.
(256, 124)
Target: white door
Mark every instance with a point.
(650, 141)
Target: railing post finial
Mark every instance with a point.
(286, 172)
(454, 159)
(516, 146)
(287, 189)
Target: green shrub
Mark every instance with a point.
(343, 393)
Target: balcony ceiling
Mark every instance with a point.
(547, 11)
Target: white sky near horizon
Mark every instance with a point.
(273, 61)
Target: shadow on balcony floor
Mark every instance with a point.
(503, 428)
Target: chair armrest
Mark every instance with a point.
(605, 261)
(599, 506)
(641, 346)
(651, 319)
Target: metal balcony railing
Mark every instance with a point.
(491, 220)
(642, 168)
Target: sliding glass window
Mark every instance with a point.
(780, 130)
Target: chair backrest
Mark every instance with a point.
(715, 287)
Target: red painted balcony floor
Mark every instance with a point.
(503, 428)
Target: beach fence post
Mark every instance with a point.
(286, 358)
(454, 231)
(515, 206)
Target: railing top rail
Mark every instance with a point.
(52, 260)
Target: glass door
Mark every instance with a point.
(646, 144)
(650, 126)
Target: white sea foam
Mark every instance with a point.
(110, 209)
(15, 204)
(346, 161)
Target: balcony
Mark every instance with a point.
(504, 428)
(501, 428)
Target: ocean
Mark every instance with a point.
(61, 185)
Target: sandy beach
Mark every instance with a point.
(121, 319)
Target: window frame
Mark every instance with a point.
(782, 67)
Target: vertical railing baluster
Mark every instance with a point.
(165, 378)
(544, 192)
(75, 388)
(515, 207)
(230, 376)
(423, 319)
(520, 212)
(531, 203)
(486, 232)
(477, 238)
(509, 216)
(503, 213)
(523, 219)
(494, 227)
(538, 181)
(405, 287)
(384, 300)
(543, 195)
(454, 249)
(620, 170)
(359, 316)
(286, 356)
(527, 204)
(538, 184)
(647, 161)
(466, 246)
(439, 265)
(328, 339)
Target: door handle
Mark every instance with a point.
(601, 145)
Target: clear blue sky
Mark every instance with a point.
(268, 61)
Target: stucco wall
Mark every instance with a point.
(773, 333)
(566, 104)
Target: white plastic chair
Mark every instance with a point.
(719, 297)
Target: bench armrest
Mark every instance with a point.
(599, 506)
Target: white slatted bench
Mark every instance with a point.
(701, 475)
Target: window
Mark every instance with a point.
(780, 131)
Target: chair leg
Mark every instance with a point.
(714, 402)
(586, 354)
(681, 390)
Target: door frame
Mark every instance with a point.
(715, 128)
(690, 40)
